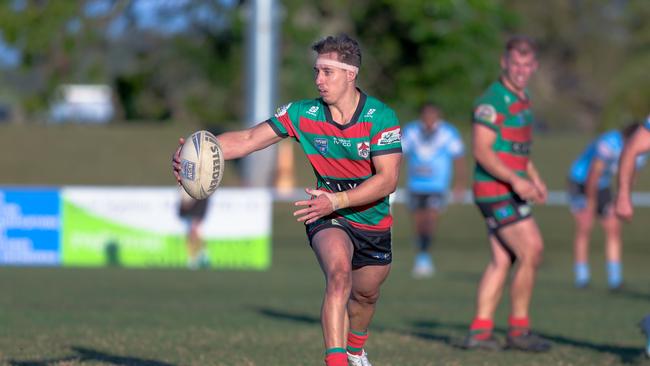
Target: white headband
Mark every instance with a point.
(341, 65)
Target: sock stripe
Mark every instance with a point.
(334, 350)
(356, 332)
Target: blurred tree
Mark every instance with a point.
(595, 60)
(413, 50)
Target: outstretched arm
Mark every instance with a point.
(236, 144)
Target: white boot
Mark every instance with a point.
(359, 360)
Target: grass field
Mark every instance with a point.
(179, 317)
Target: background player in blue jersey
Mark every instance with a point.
(434, 151)
(590, 195)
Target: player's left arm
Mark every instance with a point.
(375, 188)
(537, 180)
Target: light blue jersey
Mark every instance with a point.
(646, 124)
(607, 148)
(430, 156)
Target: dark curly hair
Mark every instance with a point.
(347, 48)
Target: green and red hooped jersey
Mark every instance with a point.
(511, 119)
(341, 155)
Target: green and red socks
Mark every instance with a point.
(356, 340)
(481, 329)
(518, 326)
(336, 357)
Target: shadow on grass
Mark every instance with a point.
(631, 294)
(283, 315)
(437, 331)
(427, 331)
(87, 354)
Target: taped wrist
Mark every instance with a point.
(339, 200)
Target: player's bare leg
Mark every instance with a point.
(491, 286)
(613, 245)
(583, 229)
(366, 282)
(489, 293)
(365, 292)
(425, 226)
(333, 250)
(525, 240)
(194, 244)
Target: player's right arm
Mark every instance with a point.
(639, 143)
(236, 144)
(483, 140)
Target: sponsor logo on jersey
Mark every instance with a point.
(188, 170)
(370, 112)
(486, 113)
(282, 110)
(342, 141)
(389, 137)
(321, 144)
(363, 149)
(312, 110)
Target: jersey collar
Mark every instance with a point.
(355, 116)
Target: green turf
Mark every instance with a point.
(179, 317)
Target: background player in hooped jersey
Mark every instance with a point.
(352, 142)
(639, 143)
(434, 151)
(505, 179)
(589, 194)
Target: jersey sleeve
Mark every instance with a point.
(407, 139)
(607, 151)
(385, 135)
(456, 147)
(285, 120)
(485, 114)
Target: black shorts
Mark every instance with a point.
(578, 199)
(422, 201)
(370, 247)
(502, 213)
(194, 209)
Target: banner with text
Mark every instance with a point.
(140, 227)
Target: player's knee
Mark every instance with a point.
(366, 297)
(501, 263)
(534, 254)
(339, 282)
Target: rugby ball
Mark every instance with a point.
(201, 165)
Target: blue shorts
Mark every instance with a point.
(422, 201)
(578, 199)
